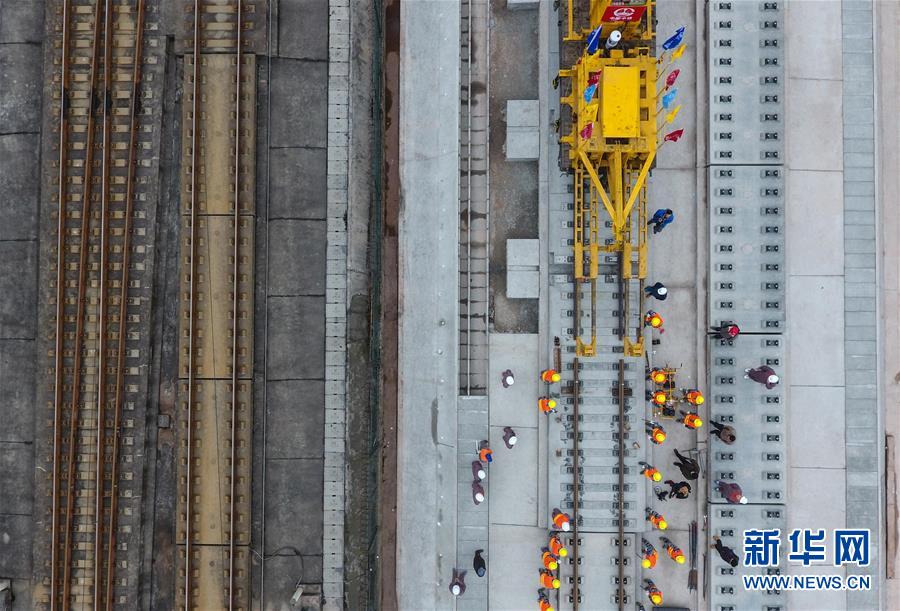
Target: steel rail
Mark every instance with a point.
(79, 322)
(195, 143)
(136, 75)
(58, 364)
(469, 202)
(234, 303)
(620, 585)
(101, 302)
(576, 474)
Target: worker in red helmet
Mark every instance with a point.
(725, 331)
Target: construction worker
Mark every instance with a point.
(689, 467)
(725, 553)
(690, 420)
(478, 471)
(673, 550)
(763, 375)
(657, 397)
(507, 378)
(509, 437)
(655, 432)
(727, 330)
(656, 519)
(653, 593)
(561, 521)
(680, 490)
(649, 555)
(693, 396)
(657, 291)
(724, 432)
(650, 472)
(653, 319)
(556, 546)
(550, 376)
(732, 492)
(477, 493)
(478, 563)
(549, 561)
(544, 604)
(657, 376)
(661, 218)
(547, 405)
(548, 580)
(458, 583)
(485, 454)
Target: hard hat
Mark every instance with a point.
(563, 552)
(481, 474)
(455, 589)
(556, 377)
(659, 377)
(645, 563)
(655, 321)
(659, 436)
(657, 476)
(513, 440)
(743, 500)
(656, 598)
(479, 497)
(772, 379)
(556, 583)
(663, 290)
(510, 380)
(698, 422)
(551, 403)
(662, 525)
(566, 526)
(699, 400)
(553, 565)
(679, 558)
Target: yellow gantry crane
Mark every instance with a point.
(612, 147)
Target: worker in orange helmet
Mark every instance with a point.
(690, 420)
(654, 320)
(485, 454)
(655, 432)
(673, 550)
(649, 555)
(548, 580)
(653, 593)
(556, 546)
(656, 519)
(561, 521)
(549, 561)
(658, 397)
(694, 396)
(544, 604)
(650, 472)
(550, 376)
(547, 405)
(657, 376)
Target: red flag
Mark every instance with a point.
(674, 136)
(587, 131)
(594, 78)
(673, 76)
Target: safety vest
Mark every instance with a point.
(692, 421)
(649, 559)
(657, 435)
(651, 473)
(557, 547)
(657, 520)
(694, 397)
(652, 319)
(548, 580)
(562, 521)
(658, 376)
(675, 553)
(545, 605)
(485, 455)
(550, 376)
(654, 594)
(549, 561)
(546, 404)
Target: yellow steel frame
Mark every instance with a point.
(615, 170)
(630, 31)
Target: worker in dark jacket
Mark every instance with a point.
(725, 553)
(763, 375)
(478, 563)
(689, 467)
(458, 583)
(724, 432)
(680, 490)
(657, 291)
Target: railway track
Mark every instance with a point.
(101, 236)
(474, 261)
(216, 311)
